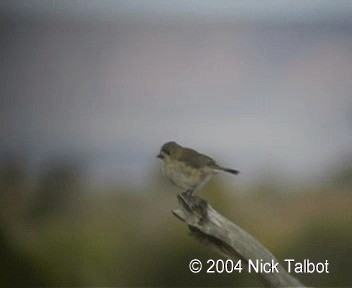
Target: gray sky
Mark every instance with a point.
(260, 87)
(284, 11)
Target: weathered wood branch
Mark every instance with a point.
(231, 241)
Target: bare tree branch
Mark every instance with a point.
(231, 241)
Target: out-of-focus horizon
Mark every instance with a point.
(264, 88)
(90, 90)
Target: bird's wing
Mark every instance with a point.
(195, 159)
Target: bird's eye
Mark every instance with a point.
(167, 152)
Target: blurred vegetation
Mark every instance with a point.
(56, 231)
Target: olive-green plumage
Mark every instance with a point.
(188, 168)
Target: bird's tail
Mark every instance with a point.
(232, 171)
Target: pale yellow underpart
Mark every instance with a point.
(184, 176)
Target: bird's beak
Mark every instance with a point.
(159, 156)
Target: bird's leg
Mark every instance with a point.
(189, 192)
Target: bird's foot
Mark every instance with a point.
(188, 192)
(194, 204)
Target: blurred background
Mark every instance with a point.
(90, 90)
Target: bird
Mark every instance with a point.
(187, 168)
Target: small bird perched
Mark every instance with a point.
(186, 168)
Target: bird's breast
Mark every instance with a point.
(185, 176)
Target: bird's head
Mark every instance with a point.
(169, 150)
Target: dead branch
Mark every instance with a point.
(231, 241)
